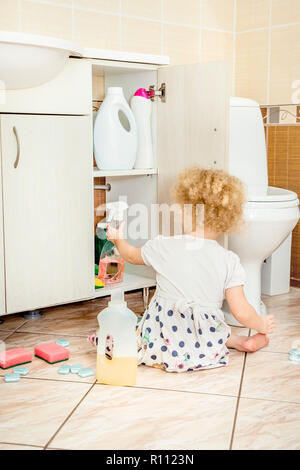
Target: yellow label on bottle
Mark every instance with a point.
(116, 371)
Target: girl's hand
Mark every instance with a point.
(113, 234)
(268, 325)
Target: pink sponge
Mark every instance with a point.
(13, 357)
(51, 352)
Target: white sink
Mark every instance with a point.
(28, 60)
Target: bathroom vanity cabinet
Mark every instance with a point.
(46, 197)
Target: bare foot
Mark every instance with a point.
(246, 344)
(256, 342)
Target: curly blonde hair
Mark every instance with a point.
(221, 194)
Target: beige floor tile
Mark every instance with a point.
(11, 322)
(131, 418)
(284, 339)
(286, 310)
(267, 425)
(5, 334)
(4, 446)
(78, 319)
(240, 331)
(81, 352)
(32, 410)
(222, 380)
(290, 299)
(271, 376)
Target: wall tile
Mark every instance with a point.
(285, 64)
(218, 14)
(294, 149)
(285, 11)
(47, 20)
(58, 2)
(141, 36)
(217, 46)
(97, 30)
(9, 15)
(284, 172)
(182, 44)
(252, 65)
(102, 5)
(185, 12)
(145, 8)
(252, 14)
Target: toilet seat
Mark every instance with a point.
(276, 198)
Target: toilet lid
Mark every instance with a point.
(275, 195)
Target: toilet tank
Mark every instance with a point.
(247, 146)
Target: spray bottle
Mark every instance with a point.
(117, 343)
(111, 264)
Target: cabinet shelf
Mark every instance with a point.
(134, 172)
(130, 282)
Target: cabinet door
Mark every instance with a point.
(48, 210)
(193, 122)
(2, 282)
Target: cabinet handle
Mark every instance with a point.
(18, 148)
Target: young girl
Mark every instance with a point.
(183, 329)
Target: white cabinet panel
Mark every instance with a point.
(48, 210)
(192, 124)
(70, 92)
(2, 283)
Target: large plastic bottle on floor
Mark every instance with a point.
(141, 106)
(115, 134)
(117, 343)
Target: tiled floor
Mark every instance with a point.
(254, 403)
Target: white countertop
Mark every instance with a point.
(122, 56)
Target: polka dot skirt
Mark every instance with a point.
(181, 338)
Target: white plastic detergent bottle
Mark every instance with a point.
(141, 106)
(115, 134)
(117, 343)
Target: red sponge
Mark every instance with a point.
(51, 352)
(13, 357)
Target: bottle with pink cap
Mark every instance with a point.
(141, 107)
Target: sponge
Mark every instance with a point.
(51, 352)
(14, 357)
(98, 283)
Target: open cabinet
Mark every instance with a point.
(47, 216)
(189, 127)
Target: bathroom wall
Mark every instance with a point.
(283, 143)
(267, 50)
(187, 30)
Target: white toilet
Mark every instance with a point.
(270, 213)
